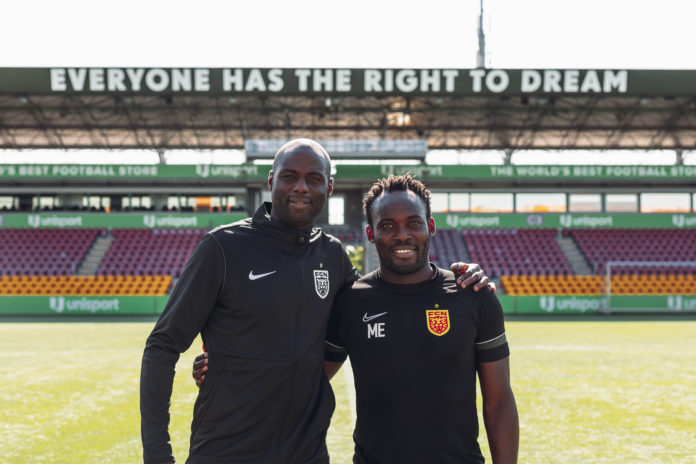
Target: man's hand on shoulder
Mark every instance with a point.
(471, 273)
(200, 367)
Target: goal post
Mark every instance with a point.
(646, 302)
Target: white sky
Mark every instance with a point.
(376, 33)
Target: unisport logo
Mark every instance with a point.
(203, 170)
(566, 220)
(56, 303)
(547, 303)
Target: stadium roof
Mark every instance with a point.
(210, 108)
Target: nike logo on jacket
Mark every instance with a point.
(258, 276)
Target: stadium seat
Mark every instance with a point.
(149, 251)
(516, 251)
(44, 251)
(80, 285)
(594, 285)
(600, 246)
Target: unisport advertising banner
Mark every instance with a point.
(129, 220)
(443, 220)
(347, 171)
(592, 304)
(61, 305)
(78, 305)
(564, 221)
(519, 172)
(571, 304)
(133, 171)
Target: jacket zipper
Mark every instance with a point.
(293, 367)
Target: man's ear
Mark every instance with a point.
(270, 179)
(370, 237)
(329, 190)
(431, 226)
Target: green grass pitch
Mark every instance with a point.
(587, 392)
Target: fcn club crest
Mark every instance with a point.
(321, 283)
(438, 321)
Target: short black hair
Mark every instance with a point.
(395, 184)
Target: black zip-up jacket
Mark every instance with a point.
(260, 294)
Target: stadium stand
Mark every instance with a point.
(530, 261)
(679, 284)
(81, 285)
(602, 245)
(149, 251)
(139, 261)
(447, 247)
(552, 284)
(516, 251)
(43, 251)
(527, 261)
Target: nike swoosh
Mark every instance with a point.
(367, 318)
(258, 276)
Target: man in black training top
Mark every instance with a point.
(259, 291)
(416, 341)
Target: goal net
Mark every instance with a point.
(649, 286)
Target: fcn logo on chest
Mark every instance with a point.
(321, 283)
(438, 321)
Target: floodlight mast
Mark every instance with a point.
(481, 53)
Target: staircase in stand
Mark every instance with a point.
(574, 256)
(95, 255)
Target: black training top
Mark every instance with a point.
(260, 294)
(414, 351)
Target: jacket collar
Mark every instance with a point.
(299, 237)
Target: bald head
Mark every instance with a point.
(300, 183)
(306, 145)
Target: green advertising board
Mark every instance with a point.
(560, 304)
(132, 171)
(442, 220)
(676, 303)
(80, 305)
(60, 305)
(367, 173)
(121, 220)
(593, 304)
(520, 172)
(564, 221)
(508, 303)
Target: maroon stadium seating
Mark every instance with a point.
(602, 245)
(516, 251)
(149, 251)
(43, 251)
(447, 247)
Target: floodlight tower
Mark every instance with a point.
(481, 53)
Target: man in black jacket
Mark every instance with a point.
(260, 292)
